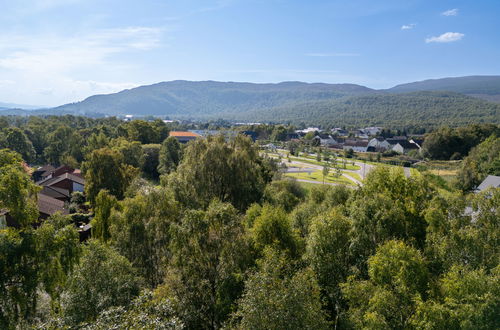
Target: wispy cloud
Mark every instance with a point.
(333, 54)
(408, 26)
(450, 12)
(56, 66)
(446, 37)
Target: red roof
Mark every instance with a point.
(183, 134)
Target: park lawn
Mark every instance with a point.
(307, 160)
(318, 176)
(355, 175)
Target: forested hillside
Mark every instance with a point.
(485, 87)
(185, 99)
(424, 109)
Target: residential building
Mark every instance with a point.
(184, 137)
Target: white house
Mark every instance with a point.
(379, 143)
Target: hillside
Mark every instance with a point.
(208, 98)
(297, 102)
(485, 87)
(418, 109)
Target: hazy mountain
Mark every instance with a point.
(485, 87)
(4, 106)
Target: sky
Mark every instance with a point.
(54, 52)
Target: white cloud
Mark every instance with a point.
(56, 69)
(446, 37)
(408, 26)
(450, 12)
(332, 54)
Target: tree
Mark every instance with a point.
(34, 260)
(272, 228)
(329, 256)
(140, 229)
(285, 193)
(397, 278)
(104, 169)
(57, 144)
(482, 161)
(102, 279)
(467, 299)
(228, 171)
(132, 152)
(277, 297)
(326, 170)
(17, 191)
(170, 155)
(151, 160)
(205, 274)
(17, 141)
(104, 204)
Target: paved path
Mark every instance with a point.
(328, 183)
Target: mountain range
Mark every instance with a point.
(451, 101)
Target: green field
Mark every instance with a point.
(318, 176)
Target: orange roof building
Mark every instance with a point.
(184, 136)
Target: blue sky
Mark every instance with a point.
(58, 51)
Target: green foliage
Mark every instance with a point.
(105, 169)
(468, 299)
(229, 171)
(482, 161)
(446, 143)
(151, 160)
(272, 228)
(140, 229)
(17, 141)
(205, 274)
(17, 191)
(31, 260)
(104, 204)
(102, 279)
(328, 253)
(131, 150)
(284, 193)
(170, 155)
(143, 313)
(397, 276)
(277, 297)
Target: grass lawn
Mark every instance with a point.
(318, 176)
(308, 160)
(355, 175)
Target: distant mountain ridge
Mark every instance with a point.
(484, 87)
(450, 101)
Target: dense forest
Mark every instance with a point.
(209, 235)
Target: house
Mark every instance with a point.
(403, 147)
(340, 131)
(307, 130)
(66, 181)
(47, 206)
(379, 143)
(490, 181)
(326, 140)
(418, 142)
(356, 145)
(57, 193)
(43, 172)
(184, 137)
(372, 131)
